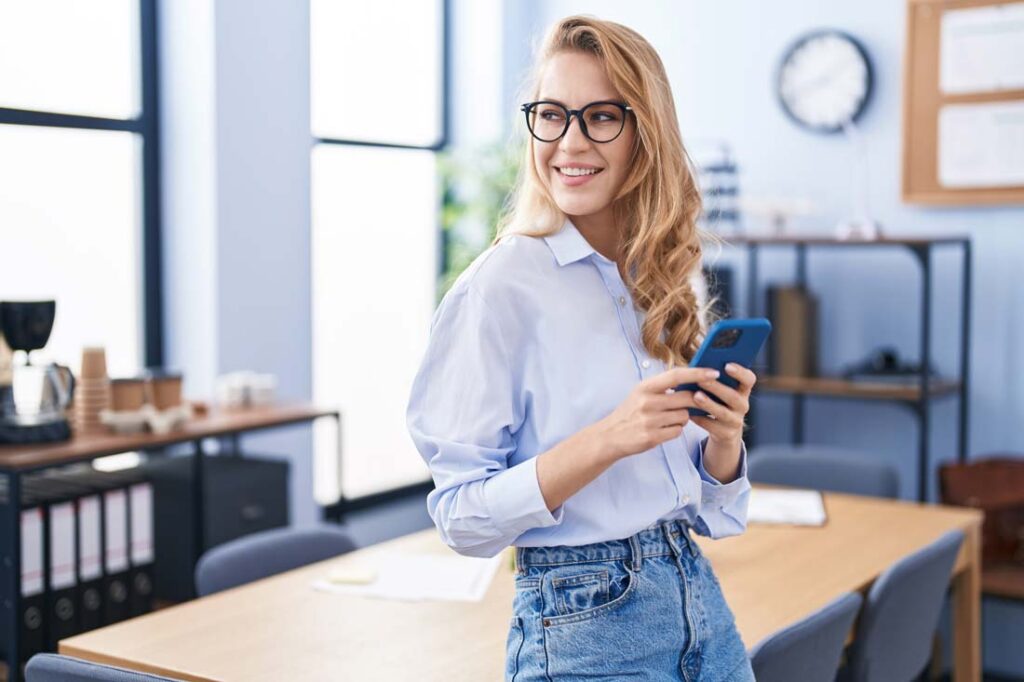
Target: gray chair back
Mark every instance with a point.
(809, 650)
(894, 635)
(267, 553)
(57, 668)
(822, 467)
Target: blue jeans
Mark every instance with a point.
(647, 607)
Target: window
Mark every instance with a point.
(376, 229)
(78, 174)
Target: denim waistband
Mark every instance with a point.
(664, 539)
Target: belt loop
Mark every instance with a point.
(684, 531)
(666, 529)
(520, 565)
(636, 551)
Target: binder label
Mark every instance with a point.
(89, 538)
(31, 552)
(142, 523)
(62, 545)
(117, 530)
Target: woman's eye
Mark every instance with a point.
(551, 116)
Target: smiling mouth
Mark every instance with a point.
(578, 172)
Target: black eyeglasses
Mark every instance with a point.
(599, 121)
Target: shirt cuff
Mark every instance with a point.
(515, 502)
(714, 491)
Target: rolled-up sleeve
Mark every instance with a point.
(723, 506)
(462, 415)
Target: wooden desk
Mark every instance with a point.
(280, 628)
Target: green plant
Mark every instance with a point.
(475, 185)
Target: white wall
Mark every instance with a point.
(235, 115)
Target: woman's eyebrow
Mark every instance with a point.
(599, 99)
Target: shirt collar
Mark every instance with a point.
(569, 245)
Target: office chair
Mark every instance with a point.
(810, 649)
(822, 467)
(57, 668)
(267, 553)
(894, 634)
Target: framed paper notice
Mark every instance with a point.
(981, 145)
(963, 102)
(982, 49)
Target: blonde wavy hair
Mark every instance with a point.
(659, 202)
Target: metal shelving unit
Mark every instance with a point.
(917, 398)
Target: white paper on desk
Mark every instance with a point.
(981, 49)
(795, 507)
(416, 577)
(981, 145)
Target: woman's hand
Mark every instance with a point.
(725, 423)
(650, 415)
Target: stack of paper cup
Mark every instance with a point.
(92, 391)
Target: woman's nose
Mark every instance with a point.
(574, 139)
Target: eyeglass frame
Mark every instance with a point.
(578, 113)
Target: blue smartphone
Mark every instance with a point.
(738, 341)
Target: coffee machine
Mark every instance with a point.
(33, 398)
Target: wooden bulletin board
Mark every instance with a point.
(923, 99)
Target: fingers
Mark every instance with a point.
(721, 413)
(673, 418)
(742, 374)
(678, 375)
(733, 398)
(709, 425)
(672, 401)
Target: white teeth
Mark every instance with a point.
(577, 171)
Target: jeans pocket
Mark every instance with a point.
(580, 592)
(583, 591)
(513, 645)
(599, 639)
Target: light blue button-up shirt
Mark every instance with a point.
(537, 339)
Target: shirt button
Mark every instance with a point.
(686, 500)
(622, 300)
(645, 364)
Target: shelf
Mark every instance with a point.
(1003, 580)
(827, 240)
(923, 248)
(217, 423)
(844, 388)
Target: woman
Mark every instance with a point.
(544, 405)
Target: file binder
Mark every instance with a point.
(140, 512)
(32, 605)
(90, 566)
(62, 617)
(115, 555)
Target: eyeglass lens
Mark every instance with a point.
(602, 122)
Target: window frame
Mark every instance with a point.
(147, 126)
(343, 505)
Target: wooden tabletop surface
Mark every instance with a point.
(216, 423)
(280, 628)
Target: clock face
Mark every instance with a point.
(824, 81)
